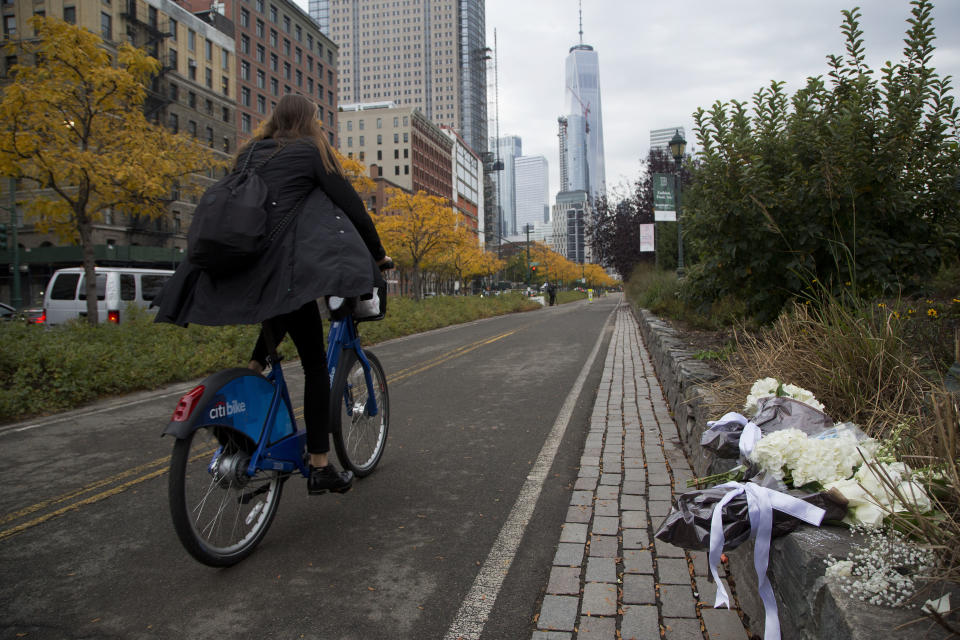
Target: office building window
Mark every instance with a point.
(244, 70)
(261, 104)
(208, 50)
(224, 60)
(174, 123)
(208, 77)
(274, 86)
(225, 85)
(260, 28)
(245, 122)
(106, 26)
(70, 15)
(191, 40)
(273, 13)
(244, 18)
(245, 96)
(286, 24)
(261, 79)
(274, 62)
(172, 29)
(261, 53)
(244, 43)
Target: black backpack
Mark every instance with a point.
(229, 227)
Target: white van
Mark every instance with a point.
(117, 288)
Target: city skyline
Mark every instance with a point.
(661, 62)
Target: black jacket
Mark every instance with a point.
(329, 248)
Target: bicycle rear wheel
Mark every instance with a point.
(359, 437)
(219, 512)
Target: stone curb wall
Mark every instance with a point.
(809, 608)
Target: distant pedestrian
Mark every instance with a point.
(552, 293)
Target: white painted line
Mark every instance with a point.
(476, 606)
(81, 413)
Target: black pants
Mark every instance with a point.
(306, 329)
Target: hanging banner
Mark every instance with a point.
(646, 237)
(663, 205)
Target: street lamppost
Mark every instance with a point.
(677, 146)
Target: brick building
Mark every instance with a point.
(409, 150)
(280, 50)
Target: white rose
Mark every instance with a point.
(913, 492)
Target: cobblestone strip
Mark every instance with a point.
(610, 579)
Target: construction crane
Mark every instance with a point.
(584, 107)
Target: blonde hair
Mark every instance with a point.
(295, 118)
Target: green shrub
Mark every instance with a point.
(46, 370)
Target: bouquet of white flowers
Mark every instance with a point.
(771, 387)
(803, 448)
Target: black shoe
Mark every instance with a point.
(323, 479)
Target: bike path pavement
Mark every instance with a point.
(610, 579)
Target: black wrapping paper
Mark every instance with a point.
(688, 524)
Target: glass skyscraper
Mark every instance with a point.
(533, 197)
(429, 55)
(584, 132)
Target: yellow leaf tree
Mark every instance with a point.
(414, 229)
(464, 259)
(72, 125)
(357, 175)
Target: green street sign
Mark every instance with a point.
(663, 205)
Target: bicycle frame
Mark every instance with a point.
(260, 407)
(343, 335)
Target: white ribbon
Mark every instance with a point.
(748, 438)
(760, 505)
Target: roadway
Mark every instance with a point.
(87, 549)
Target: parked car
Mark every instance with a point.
(117, 288)
(35, 315)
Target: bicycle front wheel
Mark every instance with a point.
(219, 512)
(359, 437)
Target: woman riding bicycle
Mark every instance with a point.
(330, 248)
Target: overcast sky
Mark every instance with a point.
(661, 60)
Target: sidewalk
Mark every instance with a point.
(610, 579)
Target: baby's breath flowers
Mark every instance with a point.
(882, 570)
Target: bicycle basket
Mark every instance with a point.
(368, 307)
(371, 306)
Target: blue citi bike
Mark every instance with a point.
(237, 443)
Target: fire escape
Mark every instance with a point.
(144, 32)
(147, 35)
